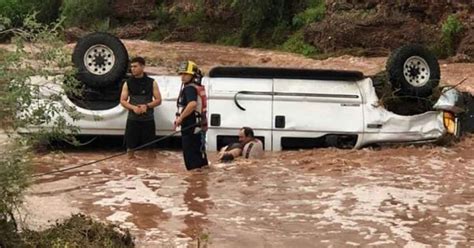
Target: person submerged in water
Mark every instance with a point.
(248, 147)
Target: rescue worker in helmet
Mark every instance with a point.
(190, 116)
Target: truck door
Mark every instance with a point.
(307, 109)
(237, 102)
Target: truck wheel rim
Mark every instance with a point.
(416, 71)
(99, 59)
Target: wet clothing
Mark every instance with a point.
(194, 151)
(140, 129)
(138, 133)
(193, 143)
(229, 157)
(234, 146)
(140, 92)
(253, 149)
(188, 94)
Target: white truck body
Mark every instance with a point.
(278, 109)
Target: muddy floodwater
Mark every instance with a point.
(407, 196)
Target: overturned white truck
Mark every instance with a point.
(288, 108)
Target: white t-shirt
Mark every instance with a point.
(253, 150)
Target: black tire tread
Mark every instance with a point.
(121, 60)
(394, 67)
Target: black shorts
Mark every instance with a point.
(138, 133)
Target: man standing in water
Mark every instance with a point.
(190, 116)
(140, 95)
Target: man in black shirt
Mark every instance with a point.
(193, 138)
(140, 95)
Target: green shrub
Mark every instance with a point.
(13, 10)
(315, 12)
(3, 54)
(297, 44)
(259, 18)
(280, 34)
(101, 25)
(20, 108)
(229, 40)
(47, 11)
(79, 231)
(192, 19)
(161, 15)
(450, 31)
(266, 23)
(85, 13)
(247, 23)
(14, 179)
(157, 35)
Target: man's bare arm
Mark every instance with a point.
(156, 95)
(236, 152)
(190, 108)
(186, 112)
(124, 99)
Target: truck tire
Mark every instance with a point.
(413, 71)
(101, 59)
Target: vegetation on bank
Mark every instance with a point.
(87, 13)
(79, 231)
(38, 51)
(274, 24)
(16, 11)
(450, 35)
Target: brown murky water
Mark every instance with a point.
(395, 196)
